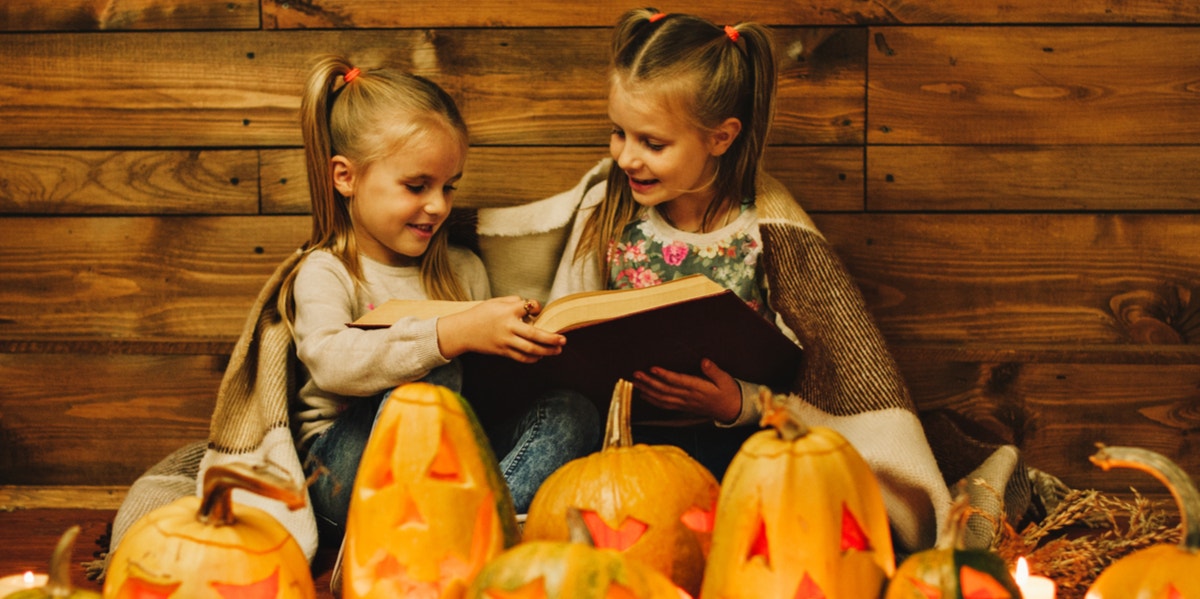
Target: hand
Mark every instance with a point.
(497, 326)
(716, 395)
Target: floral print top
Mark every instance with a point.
(651, 251)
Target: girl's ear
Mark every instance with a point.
(343, 175)
(723, 136)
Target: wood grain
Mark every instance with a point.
(112, 15)
(1034, 85)
(241, 89)
(1032, 178)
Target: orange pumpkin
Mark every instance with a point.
(429, 506)
(58, 584)
(800, 515)
(653, 502)
(1160, 571)
(201, 547)
(949, 571)
(569, 570)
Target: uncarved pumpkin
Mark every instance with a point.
(653, 502)
(575, 569)
(58, 584)
(948, 571)
(204, 547)
(800, 516)
(1160, 571)
(429, 506)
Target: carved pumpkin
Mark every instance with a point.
(800, 516)
(58, 584)
(429, 506)
(653, 502)
(1160, 571)
(948, 571)
(200, 547)
(570, 570)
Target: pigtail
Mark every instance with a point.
(756, 45)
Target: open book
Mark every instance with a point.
(611, 334)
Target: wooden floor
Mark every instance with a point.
(28, 536)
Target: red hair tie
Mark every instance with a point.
(658, 16)
(351, 75)
(732, 33)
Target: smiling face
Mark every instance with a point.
(398, 202)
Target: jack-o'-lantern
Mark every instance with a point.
(653, 502)
(800, 515)
(1160, 571)
(949, 571)
(58, 584)
(570, 570)
(429, 505)
(206, 547)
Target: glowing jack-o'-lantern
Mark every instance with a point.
(800, 515)
(204, 547)
(1159, 571)
(949, 571)
(570, 570)
(654, 502)
(429, 506)
(58, 584)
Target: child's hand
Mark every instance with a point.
(716, 395)
(498, 327)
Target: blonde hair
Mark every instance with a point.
(714, 77)
(365, 119)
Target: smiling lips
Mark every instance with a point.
(641, 185)
(425, 230)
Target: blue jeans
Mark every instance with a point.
(712, 446)
(559, 427)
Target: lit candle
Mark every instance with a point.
(1033, 587)
(20, 582)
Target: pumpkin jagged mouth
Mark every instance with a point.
(607, 537)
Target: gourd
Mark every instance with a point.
(429, 506)
(58, 585)
(1160, 571)
(199, 547)
(948, 571)
(800, 516)
(573, 569)
(652, 502)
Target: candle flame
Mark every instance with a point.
(1022, 572)
(29, 579)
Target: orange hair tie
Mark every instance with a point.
(351, 75)
(732, 33)
(658, 16)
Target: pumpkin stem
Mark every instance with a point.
(58, 583)
(617, 432)
(577, 529)
(1168, 473)
(780, 414)
(216, 506)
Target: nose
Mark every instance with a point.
(626, 155)
(438, 203)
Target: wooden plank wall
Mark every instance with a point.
(1014, 184)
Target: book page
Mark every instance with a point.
(579, 309)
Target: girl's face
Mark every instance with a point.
(663, 154)
(400, 201)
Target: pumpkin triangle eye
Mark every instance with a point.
(606, 537)
(534, 589)
(698, 519)
(445, 465)
(136, 588)
(930, 591)
(267, 588)
(978, 585)
(759, 547)
(809, 589)
(1172, 592)
(853, 536)
(618, 591)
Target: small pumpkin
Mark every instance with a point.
(653, 502)
(949, 571)
(429, 506)
(198, 547)
(574, 569)
(1160, 571)
(58, 585)
(800, 515)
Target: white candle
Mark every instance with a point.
(1033, 587)
(20, 582)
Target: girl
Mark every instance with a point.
(383, 152)
(691, 104)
